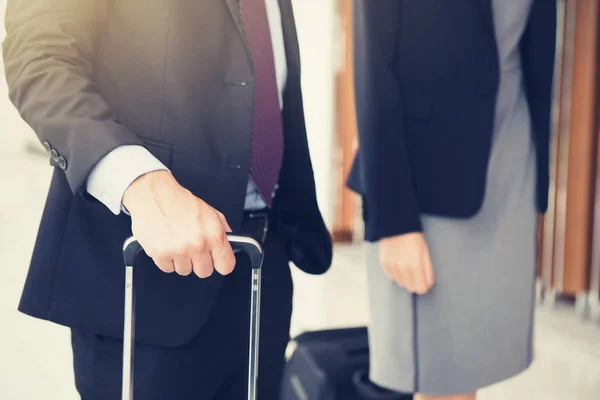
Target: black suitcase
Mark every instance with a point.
(332, 365)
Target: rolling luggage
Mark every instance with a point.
(131, 249)
(332, 365)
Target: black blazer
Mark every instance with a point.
(426, 79)
(174, 76)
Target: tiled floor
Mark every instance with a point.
(35, 360)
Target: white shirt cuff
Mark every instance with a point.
(113, 174)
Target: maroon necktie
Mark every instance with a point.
(266, 147)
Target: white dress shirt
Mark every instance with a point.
(113, 174)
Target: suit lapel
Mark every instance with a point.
(234, 9)
(290, 37)
(488, 15)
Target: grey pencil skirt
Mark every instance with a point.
(474, 328)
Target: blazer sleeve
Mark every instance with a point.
(390, 202)
(48, 54)
(538, 51)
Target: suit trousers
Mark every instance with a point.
(214, 365)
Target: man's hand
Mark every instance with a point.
(180, 232)
(405, 259)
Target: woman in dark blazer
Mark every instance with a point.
(453, 104)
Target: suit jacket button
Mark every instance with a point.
(47, 146)
(54, 155)
(62, 163)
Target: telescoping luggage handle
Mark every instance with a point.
(131, 249)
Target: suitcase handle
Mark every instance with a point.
(132, 248)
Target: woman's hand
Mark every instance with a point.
(405, 259)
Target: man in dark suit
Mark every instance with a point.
(188, 117)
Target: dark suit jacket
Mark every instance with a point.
(176, 77)
(426, 78)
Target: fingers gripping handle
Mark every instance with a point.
(131, 249)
